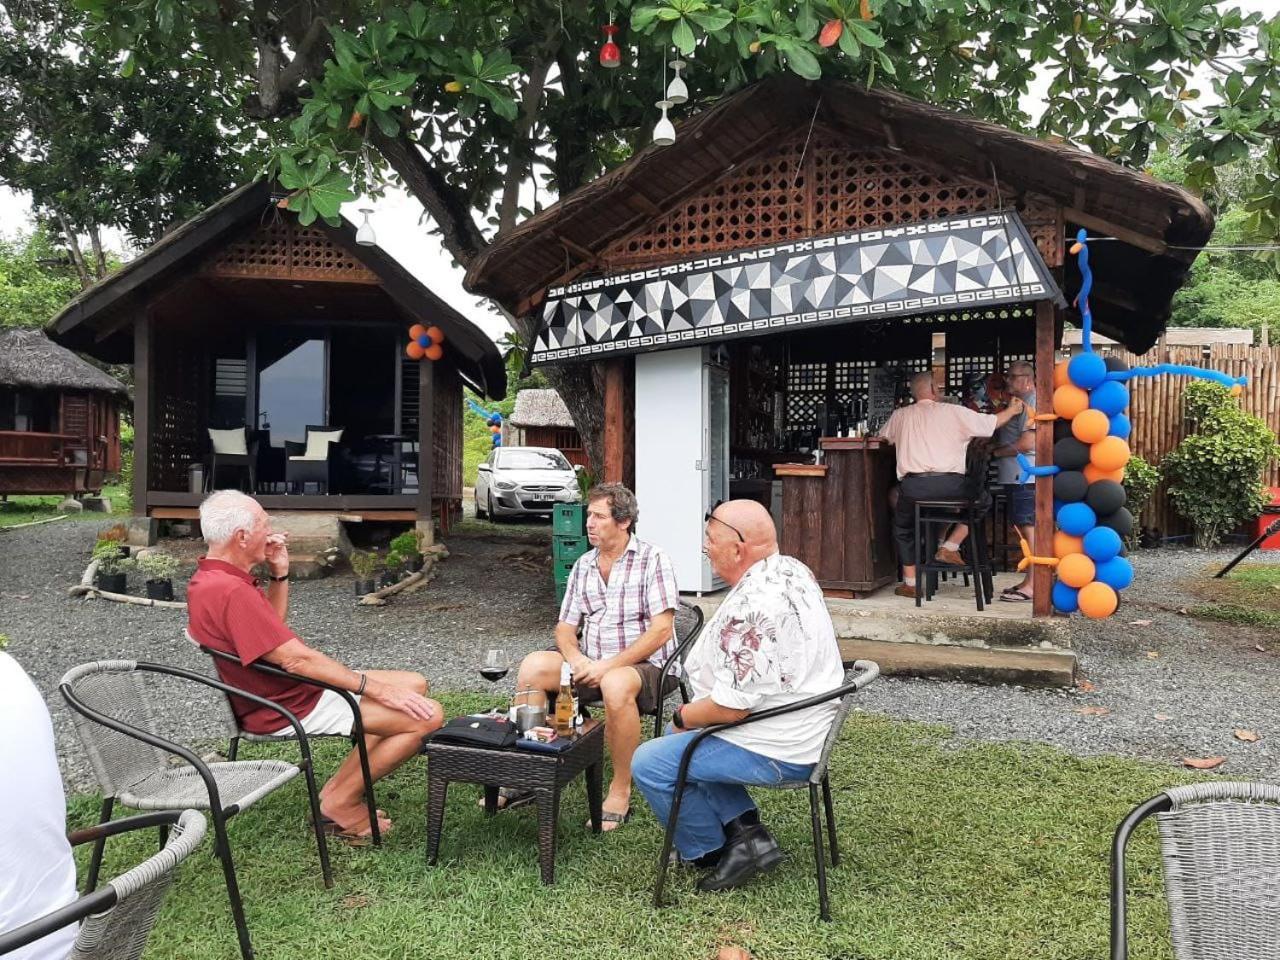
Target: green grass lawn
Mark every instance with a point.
(1249, 595)
(949, 851)
(27, 509)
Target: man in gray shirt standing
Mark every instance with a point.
(1018, 435)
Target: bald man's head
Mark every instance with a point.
(739, 534)
(922, 386)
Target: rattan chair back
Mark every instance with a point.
(837, 724)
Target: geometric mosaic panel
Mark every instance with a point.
(977, 259)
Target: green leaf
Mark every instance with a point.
(712, 21)
(290, 175)
(682, 36)
(129, 65)
(331, 193)
(806, 22)
(801, 61)
(886, 63)
(504, 107)
(643, 18)
(387, 123)
(849, 44)
(866, 35)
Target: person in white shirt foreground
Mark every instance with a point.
(770, 643)
(37, 873)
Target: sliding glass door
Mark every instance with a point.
(293, 382)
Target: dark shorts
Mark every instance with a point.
(647, 699)
(1022, 503)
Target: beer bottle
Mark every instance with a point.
(565, 702)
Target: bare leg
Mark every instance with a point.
(540, 670)
(351, 765)
(619, 689)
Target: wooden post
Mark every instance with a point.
(143, 394)
(1041, 580)
(426, 447)
(616, 438)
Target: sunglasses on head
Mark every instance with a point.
(711, 516)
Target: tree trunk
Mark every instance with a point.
(99, 255)
(73, 245)
(583, 393)
(517, 165)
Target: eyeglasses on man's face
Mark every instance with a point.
(711, 516)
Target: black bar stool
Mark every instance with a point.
(932, 518)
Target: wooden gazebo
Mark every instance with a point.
(241, 317)
(807, 234)
(59, 418)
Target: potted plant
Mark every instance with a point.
(114, 535)
(393, 568)
(408, 546)
(158, 567)
(113, 566)
(365, 566)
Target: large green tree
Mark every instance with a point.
(36, 280)
(467, 102)
(99, 145)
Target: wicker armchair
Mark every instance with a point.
(862, 673)
(688, 626)
(357, 729)
(116, 725)
(119, 917)
(1220, 843)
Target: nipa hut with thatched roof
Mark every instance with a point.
(59, 418)
(540, 419)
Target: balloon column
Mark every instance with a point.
(1090, 451)
(424, 342)
(490, 417)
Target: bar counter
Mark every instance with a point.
(836, 518)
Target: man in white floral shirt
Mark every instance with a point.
(770, 643)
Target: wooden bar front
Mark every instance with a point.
(836, 518)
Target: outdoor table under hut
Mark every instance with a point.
(779, 272)
(286, 345)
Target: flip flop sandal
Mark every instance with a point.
(1015, 596)
(350, 838)
(509, 799)
(612, 816)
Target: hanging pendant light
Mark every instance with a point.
(664, 134)
(365, 236)
(678, 92)
(610, 53)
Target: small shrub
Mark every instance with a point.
(393, 564)
(158, 565)
(1140, 482)
(1215, 474)
(406, 545)
(363, 564)
(110, 559)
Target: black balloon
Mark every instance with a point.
(1070, 486)
(1121, 522)
(1061, 428)
(1070, 454)
(1105, 497)
(1115, 363)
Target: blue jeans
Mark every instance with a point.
(714, 791)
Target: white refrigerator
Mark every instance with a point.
(682, 454)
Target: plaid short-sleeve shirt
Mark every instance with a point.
(613, 615)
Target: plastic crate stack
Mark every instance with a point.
(568, 542)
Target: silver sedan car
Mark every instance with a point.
(524, 480)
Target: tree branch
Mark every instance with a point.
(73, 245)
(445, 205)
(517, 167)
(305, 64)
(99, 256)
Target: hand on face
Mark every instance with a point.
(276, 551)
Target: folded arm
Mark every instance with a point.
(296, 657)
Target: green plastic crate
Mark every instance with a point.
(568, 548)
(569, 519)
(561, 569)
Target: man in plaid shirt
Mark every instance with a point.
(623, 595)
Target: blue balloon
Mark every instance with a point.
(1110, 397)
(1065, 599)
(424, 341)
(1101, 544)
(1087, 370)
(1076, 519)
(1120, 426)
(1058, 505)
(1116, 573)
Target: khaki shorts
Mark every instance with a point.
(647, 699)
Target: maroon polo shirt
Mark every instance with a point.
(227, 611)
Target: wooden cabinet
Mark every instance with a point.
(836, 518)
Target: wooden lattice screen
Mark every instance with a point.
(177, 437)
(447, 479)
(282, 250)
(793, 192)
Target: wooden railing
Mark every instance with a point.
(23, 449)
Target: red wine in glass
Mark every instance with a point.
(496, 665)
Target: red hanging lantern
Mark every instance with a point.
(610, 53)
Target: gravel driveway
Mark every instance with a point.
(1203, 680)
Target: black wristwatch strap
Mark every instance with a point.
(677, 719)
(278, 579)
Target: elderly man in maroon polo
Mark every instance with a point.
(228, 611)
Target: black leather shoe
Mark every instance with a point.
(752, 852)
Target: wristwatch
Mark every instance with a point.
(677, 720)
(277, 579)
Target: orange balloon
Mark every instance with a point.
(416, 331)
(1097, 600)
(1109, 453)
(1069, 401)
(1060, 377)
(436, 334)
(1076, 570)
(1090, 426)
(1093, 474)
(413, 350)
(1065, 544)
(434, 352)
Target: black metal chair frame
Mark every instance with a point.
(869, 672)
(303, 472)
(96, 901)
(678, 656)
(218, 813)
(978, 561)
(247, 461)
(356, 736)
(1119, 894)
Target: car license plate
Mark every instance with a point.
(542, 498)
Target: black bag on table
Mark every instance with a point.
(477, 731)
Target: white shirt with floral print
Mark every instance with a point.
(771, 643)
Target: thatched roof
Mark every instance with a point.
(30, 359)
(1134, 282)
(540, 408)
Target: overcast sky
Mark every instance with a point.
(396, 222)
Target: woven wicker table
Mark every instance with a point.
(543, 773)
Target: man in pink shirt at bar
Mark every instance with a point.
(931, 440)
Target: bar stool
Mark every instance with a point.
(933, 517)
